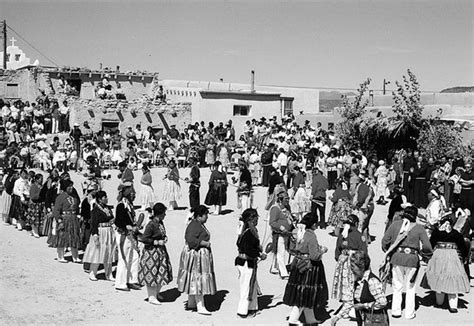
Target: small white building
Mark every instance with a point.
(16, 58)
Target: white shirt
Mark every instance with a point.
(282, 159)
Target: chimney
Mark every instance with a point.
(118, 69)
(100, 66)
(252, 81)
(221, 80)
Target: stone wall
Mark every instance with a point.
(128, 113)
(24, 80)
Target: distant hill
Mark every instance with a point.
(459, 89)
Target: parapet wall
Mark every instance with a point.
(129, 113)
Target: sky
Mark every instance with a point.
(327, 44)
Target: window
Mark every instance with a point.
(287, 106)
(110, 125)
(12, 91)
(17, 57)
(241, 110)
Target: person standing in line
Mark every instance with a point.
(194, 183)
(196, 275)
(172, 190)
(319, 187)
(217, 194)
(148, 197)
(244, 190)
(405, 260)
(306, 288)
(281, 225)
(66, 231)
(250, 251)
(36, 206)
(127, 267)
(102, 243)
(155, 266)
(20, 199)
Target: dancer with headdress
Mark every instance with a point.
(250, 251)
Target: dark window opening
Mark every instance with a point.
(241, 110)
(12, 91)
(75, 86)
(110, 126)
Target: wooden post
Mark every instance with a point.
(4, 44)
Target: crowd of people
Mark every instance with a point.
(429, 220)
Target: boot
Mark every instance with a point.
(201, 309)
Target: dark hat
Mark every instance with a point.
(308, 220)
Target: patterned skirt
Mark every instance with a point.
(155, 267)
(105, 252)
(5, 203)
(343, 283)
(445, 273)
(35, 214)
(17, 208)
(47, 227)
(308, 289)
(340, 210)
(196, 272)
(68, 233)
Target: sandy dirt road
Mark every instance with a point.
(36, 289)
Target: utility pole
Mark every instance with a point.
(385, 83)
(4, 44)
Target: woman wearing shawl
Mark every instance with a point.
(250, 251)
(341, 206)
(217, 194)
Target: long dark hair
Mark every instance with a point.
(199, 211)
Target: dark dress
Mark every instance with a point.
(68, 231)
(420, 187)
(217, 194)
(36, 207)
(155, 266)
(194, 186)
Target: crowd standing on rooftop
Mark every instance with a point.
(429, 220)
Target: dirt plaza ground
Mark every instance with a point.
(36, 289)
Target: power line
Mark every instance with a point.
(32, 46)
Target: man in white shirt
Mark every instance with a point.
(64, 117)
(282, 161)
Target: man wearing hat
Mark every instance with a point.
(76, 135)
(194, 183)
(126, 234)
(403, 240)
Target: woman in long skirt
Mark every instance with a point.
(66, 227)
(381, 192)
(306, 288)
(341, 206)
(250, 251)
(155, 266)
(217, 194)
(102, 247)
(196, 275)
(445, 273)
(5, 198)
(20, 199)
(148, 198)
(36, 206)
(172, 188)
(349, 241)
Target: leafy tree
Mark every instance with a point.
(352, 112)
